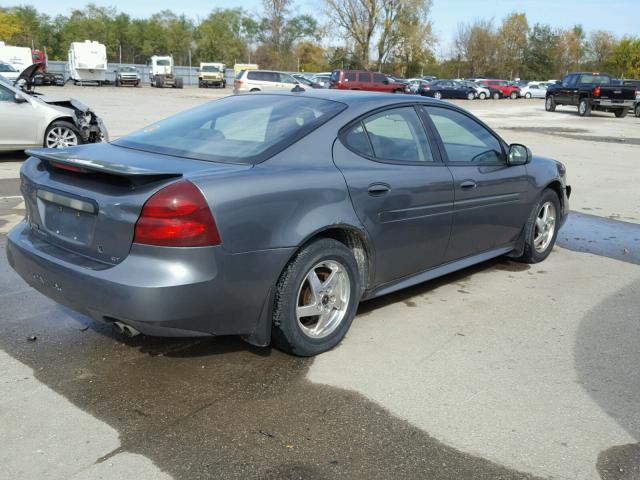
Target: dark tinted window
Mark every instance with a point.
(398, 134)
(357, 140)
(335, 75)
(379, 78)
(350, 76)
(240, 129)
(465, 140)
(570, 81)
(4, 67)
(364, 77)
(263, 76)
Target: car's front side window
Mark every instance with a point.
(396, 135)
(464, 139)
(6, 95)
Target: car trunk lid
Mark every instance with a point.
(87, 199)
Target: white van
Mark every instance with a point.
(88, 62)
(259, 80)
(18, 57)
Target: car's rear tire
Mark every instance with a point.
(527, 95)
(159, 82)
(61, 134)
(637, 111)
(482, 95)
(254, 90)
(437, 95)
(179, 83)
(513, 95)
(541, 231)
(623, 112)
(495, 96)
(550, 103)
(584, 107)
(471, 96)
(322, 278)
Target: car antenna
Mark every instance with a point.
(297, 89)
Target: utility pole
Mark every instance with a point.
(189, 65)
(120, 54)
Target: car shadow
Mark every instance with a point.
(606, 360)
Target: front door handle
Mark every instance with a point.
(468, 185)
(378, 189)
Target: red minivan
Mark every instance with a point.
(507, 88)
(364, 80)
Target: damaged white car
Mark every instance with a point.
(28, 119)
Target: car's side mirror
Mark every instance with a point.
(18, 98)
(519, 154)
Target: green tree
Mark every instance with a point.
(543, 55)
(223, 36)
(513, 42)
(10, 26)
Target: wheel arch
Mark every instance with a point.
(356, 240)
(61, 118)
(556, 186)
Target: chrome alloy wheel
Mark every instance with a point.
(61, 137)
(545, 227)
(323, 299)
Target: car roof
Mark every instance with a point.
(354, 97)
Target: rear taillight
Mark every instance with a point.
(237, 83)
(177, 216)
(597, 91)
(66, 166)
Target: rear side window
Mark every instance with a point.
(235, 129)
(350, 76)
(364, 77)
(464, 139)
(6, 95)
(379, 78)
(335, 76)
(396, 134)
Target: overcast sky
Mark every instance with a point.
(618, 16)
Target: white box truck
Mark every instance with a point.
(88, 62)
(162, 73)
(18, 57)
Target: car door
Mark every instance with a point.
(401, 191)
(287, 82)
(490, 205)
(364, 80)
(564, 93)
(19, 122)
(380, 82)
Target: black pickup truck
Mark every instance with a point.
(591, 91)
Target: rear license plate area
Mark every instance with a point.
(66, 217)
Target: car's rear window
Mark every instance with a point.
(238, 129)
(595, 79)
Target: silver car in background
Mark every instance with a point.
(534, 90)
(481, 92)
(31, 120)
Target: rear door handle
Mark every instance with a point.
(378, 189)
(468, 185)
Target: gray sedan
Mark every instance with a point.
(271, 216)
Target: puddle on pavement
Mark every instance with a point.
(219, 408)
(620, 463)
(601, 236)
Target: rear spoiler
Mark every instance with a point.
(70, 162)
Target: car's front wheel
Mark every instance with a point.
(61, 134)
(584, 108)
(437, 95)
(527, 95)
(637, 111)
(316, 299)
(541, 229)
(496, 96)
(471, 96)
(513, 95)
(482, 96)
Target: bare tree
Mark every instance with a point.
(358, 19)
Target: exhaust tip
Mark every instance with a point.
(124, 329)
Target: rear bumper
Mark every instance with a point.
(614, 103)
(157, 290)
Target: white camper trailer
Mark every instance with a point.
(18, 57)
(88, 62)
